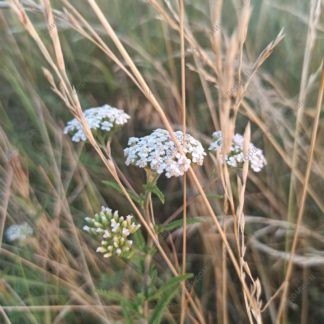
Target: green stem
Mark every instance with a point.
(151, 179)
(106, 147)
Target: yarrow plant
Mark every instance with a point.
(113, 231)
(105, 120)
(235, 157)
(19, 232)
(159, 153)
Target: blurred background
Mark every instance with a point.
(52, 184)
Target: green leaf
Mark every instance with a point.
(114, 185)
(214, 196)
(139, 240)
(170, 285)
(164, 295)
(27, 281)
(176, 224)
(112, 295)
(130, 308)
(153, 188)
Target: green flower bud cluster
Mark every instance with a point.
(112, 230)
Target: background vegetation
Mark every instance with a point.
(55, 276)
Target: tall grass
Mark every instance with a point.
(252, 241)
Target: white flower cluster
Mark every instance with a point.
(236, 157)
(19, 232)
(105, 118)
(159, 152)
(113, 231)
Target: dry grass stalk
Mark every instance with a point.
(315, 10)
(303, 198)
(225, 70)
(184, 129)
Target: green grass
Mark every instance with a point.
(66, 181)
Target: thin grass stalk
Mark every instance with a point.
(80, 293)
(183, 109)
(207, 93)
(290, 265)
(305, 302)
(4, 314)
(261, 270)
(78, 23)
(224, 280)
(216, 13)
(173, 22)
(12, 291)
(148, 258)
(239, 221)
(266, 132)
(314, 15)
(54, 308)
(169, 51)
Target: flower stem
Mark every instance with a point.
(151, 179)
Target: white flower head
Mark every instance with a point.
(113, 231)
(86, 228)
(18, 232)
(235, 157)
(160, 153)
(105, 119)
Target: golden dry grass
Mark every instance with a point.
(255, 231)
